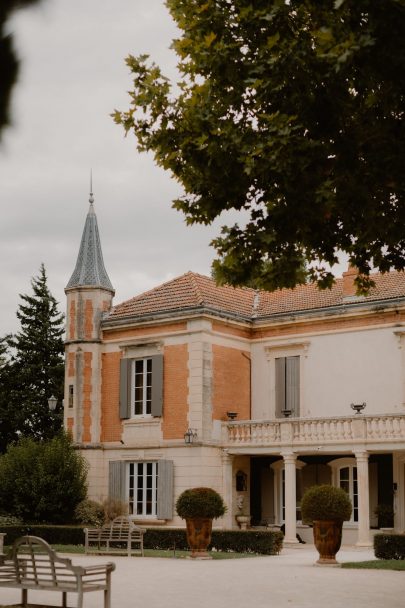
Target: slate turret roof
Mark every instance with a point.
(90, 270)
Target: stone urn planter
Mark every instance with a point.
(243, 521)
(326, 508)
(199, 506)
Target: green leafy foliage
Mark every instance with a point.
(42, 481)
(200, 502)
(389, 546)
(325, 502)
(33, 368)
(90, 512)
(291, 113)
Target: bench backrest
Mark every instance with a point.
(36, 563)
(121, 527)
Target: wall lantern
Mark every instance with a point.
(241, 481)
(358, 407)
(52, 402)
(190, 436)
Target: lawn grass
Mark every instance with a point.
(377, 564)
(79, 549)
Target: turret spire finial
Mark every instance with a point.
(91, 199)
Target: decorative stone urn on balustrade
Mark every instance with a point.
(326, 508)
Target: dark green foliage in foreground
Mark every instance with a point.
(291, 113)
(389, 546)
(42, 481)
(325, 502)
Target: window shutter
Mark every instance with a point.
(293, 385)
(280, 386)
(165, 489)
(157, 385)
(125, 388)
(117, 480)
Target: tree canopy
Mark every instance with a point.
(32, 368)
(292, 113)
(8, 59)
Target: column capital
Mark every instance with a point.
(289, 457)
(226, 457)
(361, 455)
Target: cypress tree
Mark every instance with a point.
(36, 369)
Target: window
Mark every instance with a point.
(142, 488)
(287, 386)
(71, 395)
(348, 481)
(141, 381)
(141, 386)
(147, 487)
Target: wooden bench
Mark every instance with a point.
(119, 536)
(32, 564)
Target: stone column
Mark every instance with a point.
(227, 485)
(290, 498)
(363, 539)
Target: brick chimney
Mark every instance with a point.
(349, 286)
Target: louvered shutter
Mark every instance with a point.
(117, 480)
(157, 385)
(165, 489)
(280, 386)
(125, 388)
(293, 385)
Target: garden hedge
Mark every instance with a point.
(264, 542)
(389, 546)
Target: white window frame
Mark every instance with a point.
(337, 466)
(279, 489)
(145, 401)
(142, 497)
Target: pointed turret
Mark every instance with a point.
(90, 270)
(89, 295)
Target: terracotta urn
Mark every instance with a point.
(198, 532)
(327, 539)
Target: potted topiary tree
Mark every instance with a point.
(199, 506)
(326, 508)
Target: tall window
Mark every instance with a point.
(142, 386)
(142, 488)
(348, 481)
(287, 386)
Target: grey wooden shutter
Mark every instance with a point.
(293, 385)
(157, 385)
(117, 480)
(165, 489)
(280, 386)
(125, 388)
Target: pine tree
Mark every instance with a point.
(37, 365)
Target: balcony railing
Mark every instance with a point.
(316, 431)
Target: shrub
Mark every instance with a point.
(10, 520)
(113, 508)
(385, 514)
(325, 502)
(42, 481)
(389, 546)
(54, 535)
(200, 502)
(89, 512)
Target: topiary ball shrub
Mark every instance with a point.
(325, 503)
(89, 512)
(200, 502)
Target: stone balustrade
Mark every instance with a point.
(316, 431)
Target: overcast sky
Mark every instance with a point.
(73, 75)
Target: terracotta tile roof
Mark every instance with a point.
(195, 291)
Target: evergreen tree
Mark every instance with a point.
(8, 426)
(36, 369)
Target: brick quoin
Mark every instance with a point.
(87, 388)
(231, 382)
(175, 391)
(88, 320)
(72, 326)
(111, 425)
